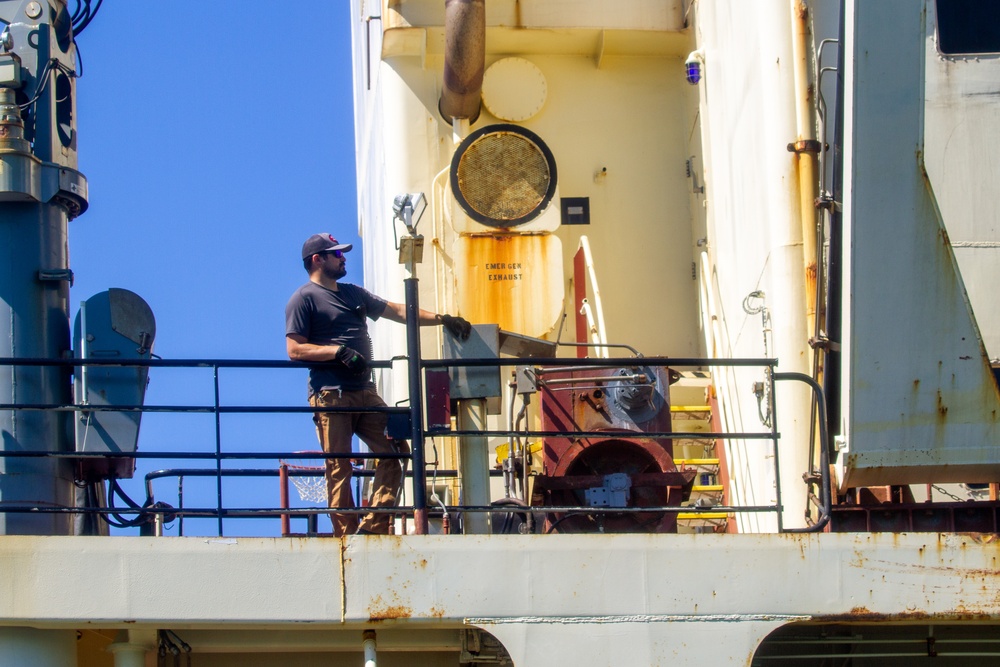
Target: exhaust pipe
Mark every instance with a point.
(464, 59)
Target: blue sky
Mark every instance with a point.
(215, 137)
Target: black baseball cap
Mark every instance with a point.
(322, 243)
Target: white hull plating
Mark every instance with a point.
(551, 600)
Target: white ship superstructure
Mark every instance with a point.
(729, 265)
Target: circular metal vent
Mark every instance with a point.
(503, 175)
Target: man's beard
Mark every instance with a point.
(335, 273)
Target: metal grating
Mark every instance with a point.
(503, 178)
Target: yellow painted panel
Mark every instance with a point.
(514, 280)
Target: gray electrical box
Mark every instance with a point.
(474, 381)
(10, 70)
(116, 325)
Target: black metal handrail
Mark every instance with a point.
(419, 474)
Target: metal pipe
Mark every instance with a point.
(368, 643)
(540, 372)
(638, 377)
(509, 462)
(464, 59)
(579, 299)
(84, 353)
(286, 520)
(772, 406)
(583, 346)
(590, 324)
(525, 455)
(808, 157)
(416, 403)
(428, 363)
(218, 447)
(474, 464)
(128, 654)
(807, 151)
(275, 512)
(598, 308)
(438, 196)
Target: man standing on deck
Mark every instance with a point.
(327, 321)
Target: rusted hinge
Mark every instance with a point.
(822, 342)
(805, 146)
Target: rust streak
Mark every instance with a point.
(863, 614)
(390, 613)
(941, 407)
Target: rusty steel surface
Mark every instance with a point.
(332, 581)
(960, 517)
(591, 598)
(513, 280)
(922, 403)
(465, 59)
(888, 575)
(599, 400)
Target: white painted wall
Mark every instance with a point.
(754, 238)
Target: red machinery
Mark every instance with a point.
(624, 468)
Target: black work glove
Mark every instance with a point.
(458, 326)
(352, 360)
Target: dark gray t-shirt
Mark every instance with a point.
(325, 317)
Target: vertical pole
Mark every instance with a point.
(34, 283)
(180, 505)
(130, 647)
(474, 465)
(416, 405)
(286, 527)
(579, 296)
(410, 254)
(218, 450)
(775, 442)
(128, 655)
(369, 646)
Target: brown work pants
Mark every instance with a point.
(335, 431)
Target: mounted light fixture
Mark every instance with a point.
(692, 66)
(408, 209)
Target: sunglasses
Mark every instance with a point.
(339, 254)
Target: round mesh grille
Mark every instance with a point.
(503, 177)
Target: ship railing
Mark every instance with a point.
(152, 514)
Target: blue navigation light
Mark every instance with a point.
(692, 72)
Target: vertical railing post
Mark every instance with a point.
(825, 490)
(408, 208)
(286, 523)
(218, 448)
(775, 443)
(180, 505)
(416, 406)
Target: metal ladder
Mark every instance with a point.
(691, 414)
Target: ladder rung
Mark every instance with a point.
(697, 462)
(690, 408)
(685, 516)
(707, 488)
